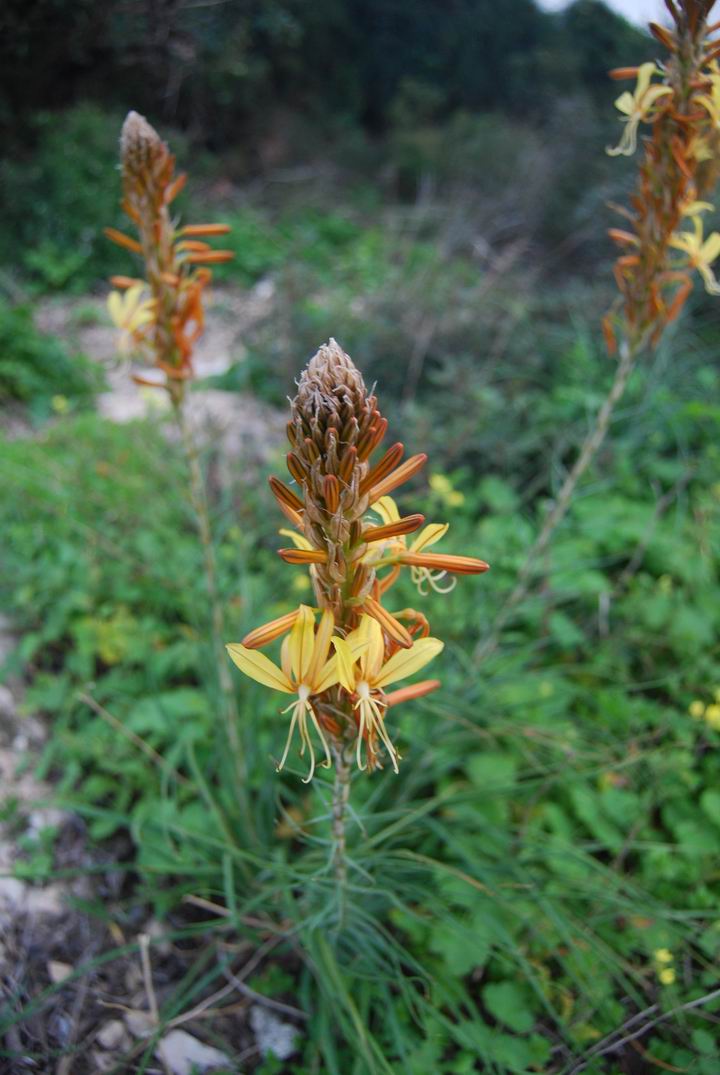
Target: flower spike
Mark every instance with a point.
(163, 328)
(350, 535)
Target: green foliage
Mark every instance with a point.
(37, 370)
(556, 819)
(58, 192)
(331, 59)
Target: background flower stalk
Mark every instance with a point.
(662, 240)
(161, 317)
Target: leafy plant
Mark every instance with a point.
(37, 370)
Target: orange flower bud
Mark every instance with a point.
(408, 694)
(262, 636)
(403, 473)
(456, 565)
(403, 526)
(303, 556)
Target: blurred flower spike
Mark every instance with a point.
(678, 101)
(348, 533)
(160, 316)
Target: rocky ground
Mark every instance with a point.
(74, 1000)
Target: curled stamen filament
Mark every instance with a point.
(372, 722)
(300, 710)
(423, 576)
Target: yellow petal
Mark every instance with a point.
(285, 658)
(428, 536)
(625, 103)
(301, 642)
(652, 96)
(372, 658)
(387, 509)
(321, 645)
(711, 247)
(115, 308)
(344, 662)
(408, 661)
(645, 73)
(259, 667)
(298, 540)
(693, 208)
(328, 676)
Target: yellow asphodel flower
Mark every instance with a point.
(636, 107)
(362, 671)
(304, 670)
(130, 313)
(387, 509)
(700, 252)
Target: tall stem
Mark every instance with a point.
(341, 793)
(198, 499)
(590, 448)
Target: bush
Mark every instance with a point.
(37, 370)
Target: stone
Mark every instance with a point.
(59, 971)
(113, 1035)
(272, 1034)
(184, 1055)
(140, 1024)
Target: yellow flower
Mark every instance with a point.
(304, 670)
(700, 252)
(130, 313)
(712, 716)
(387, 509)
(60, 404)
(663, 955)
(636, 107)
(363, 672)
(666, 975)
(696, 709)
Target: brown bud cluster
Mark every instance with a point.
(334, 428)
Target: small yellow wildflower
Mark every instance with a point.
(60, 404)
(636, 107)
(712, 716)
(444, 489)
(130, 313)
(700, 252)
(663, 955)
(696, 709)
(666, 976)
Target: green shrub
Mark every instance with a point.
(38, 370)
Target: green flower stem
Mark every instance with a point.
(590, 448)
(341, 794)
(198, 499)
